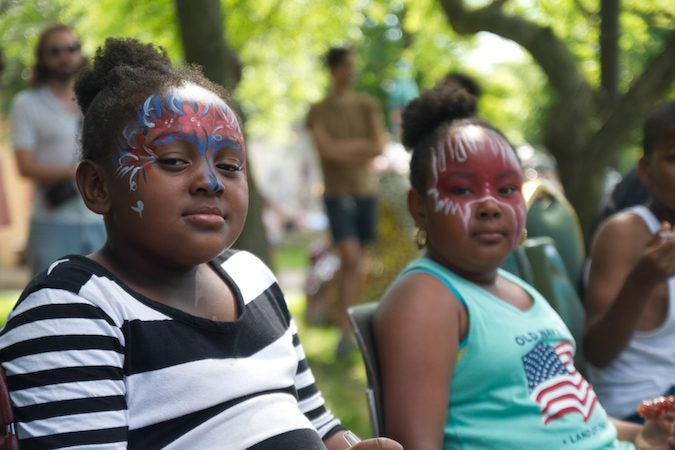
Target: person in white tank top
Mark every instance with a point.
(630, 309)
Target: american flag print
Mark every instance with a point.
(555, 384)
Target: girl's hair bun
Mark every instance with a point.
(434, 107)
(112, 63)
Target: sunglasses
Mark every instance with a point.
(57, 50)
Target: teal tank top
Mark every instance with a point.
(514, 385)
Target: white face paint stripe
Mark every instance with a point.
(448, 206)
(465, 141)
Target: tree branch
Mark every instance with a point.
(550, 53)
(609, 48)
(657, 77)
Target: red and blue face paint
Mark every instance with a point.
(190, 114)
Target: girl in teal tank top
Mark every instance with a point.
(471, 357)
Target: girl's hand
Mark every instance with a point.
(657, 262)
(658, 434)
(345, 440)
(377, 444)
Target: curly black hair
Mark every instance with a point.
(659, 121)
(123, 74)
(462, 80)
(428, 118)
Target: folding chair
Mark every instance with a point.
(361, 320)
(518, 264)
(552, 280)
(8, 439)
(549, 213)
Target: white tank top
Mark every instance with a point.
(646, 367)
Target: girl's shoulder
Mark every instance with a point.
(421, 267)
(422, 283)
(629, 223)
(418, 302)
(72, 287)
(69, 273)
(632, 228)
(243, 265)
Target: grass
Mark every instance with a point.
(291, 255)
(8, 299)
(342, 381)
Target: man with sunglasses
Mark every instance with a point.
(45, 127)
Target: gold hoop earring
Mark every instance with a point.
(523, 236)
(421, 238)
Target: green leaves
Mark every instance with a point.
(281, 44)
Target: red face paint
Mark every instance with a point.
(475, 167)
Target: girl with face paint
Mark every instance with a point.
(472, 357)
(165, 337)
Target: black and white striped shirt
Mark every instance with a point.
(92, 364)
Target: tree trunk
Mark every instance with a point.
(582, 131)
(204, 43)
(609, 47)
(202, 34)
